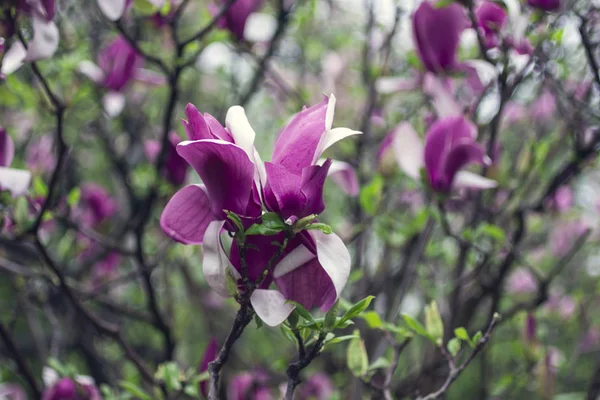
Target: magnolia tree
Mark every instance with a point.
(432, 239)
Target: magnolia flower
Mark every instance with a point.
(11, 391)
(564, 236)
(45, 36)
(544, 107)
(80, 388)
(292, 186)
(449, 146)
(16, 181)
(530, 329)
(491, 19)
(562, 200)
(436, 32)
(521, 281)
(119, 64)
(39, 155)
(176, 167)
(249, 386)
(96, 205)
(114, 9)
(236, 16)
(210, 354)
(317, 387)
(545, 5)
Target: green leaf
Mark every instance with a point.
(462, 334)
(494, 232)
(443, 3)
(303, 312)
(191, 390)
(370, 195)
(258, 321)
(258, 229)
(287, 332)
(318, 226)
(476, 338)
(416, 326)
(433, 323)
(454, 346)
(73, 197)
(380, 363)
(372, 319)
(144, 7)
(171, 377)
(39, 187)
(357, 309)
(135, 390)
(56, 365)
(339, 339)
(331, 316)
(271, 225)
(356, 355)
(233, 217)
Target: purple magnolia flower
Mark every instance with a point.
(491, 18)
(176, 167)
(15, 181)
(233, 173)
(545, 5)
(450, 146)
(57, 388)
(521, 281)
(114, 9)
(317, 387)
(530, 329)
(562, 200)
(249, 386)
(45, 9)
(544, 107)
(39, 155)
(11, 391)
(235, 18)
(436, 32)
(119, 63)
(562, 304)
(96, 205)
(564, 235)
(210, 354)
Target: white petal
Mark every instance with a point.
(15, 181)
(240, 129)
(466, 179)
(112, 9)
(485, 71)
(45, 40)
(331, 137)
(49, 376)
(113, 103)
(444, 103)
(334, 257)
(271, 306)
(91, 70)
(330, 112)
(296, 258)
(408, 149)
(260, 27)
(85, 380)
(13, 58)
(215, 263)
(390, 84)
(260, 173)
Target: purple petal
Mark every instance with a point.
(187, 215)
(199, 127)
(7, 149)
(283, 192)
(313, 181)
(297, 142)
(344, 175)
(461, 155)
(259, 252)
(236, 16)
(210, 354)
(271, 306)
(120, 63)
(227, 172)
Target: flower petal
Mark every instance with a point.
(113, 103)
(112, 9)
(7, 148)
(294, 259)
(187, 215)
(344, 175)
(443, 101)
(215, 264)
(408, 149)
(392, 84)
(330, 138)
(210, 354)
(466, 179)
(241, 130)
(271, 306)
(45, 40)
(16, 181)
(334, 257)
(91, 70)
(330, 112)
(227, 172)
(13, 58)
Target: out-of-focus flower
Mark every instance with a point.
(530, 329)
(562, 200)
(249, 386)
(39, 155)
(236, 16)
(491, 18)
(57, 388)
(564, 235)
(176, 167)
(114, 9)
(590, 340)
(545, 5)
(544, 107)
(521, 281)
(317, 387)
(436, 32)
(15, 181)
(96, 205)
(12, 391)
(450, 146)
(210, 354)
(562, 304)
